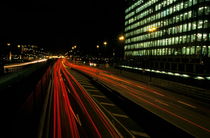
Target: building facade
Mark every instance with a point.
(168, 35)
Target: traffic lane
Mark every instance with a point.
(199, 123)
(98, 118)
(171, 97)
(174, 114)
(165, 97)
(99, 124)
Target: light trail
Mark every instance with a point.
(64, 85)
(132, 91)
(24, 64)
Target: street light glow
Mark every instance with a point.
(97, 46)
(122, 38)
(152, 29)
(8, 44)
(105, 43)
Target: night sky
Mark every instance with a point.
(58, 26)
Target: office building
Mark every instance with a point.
(172, 36)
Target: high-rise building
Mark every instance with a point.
(172, 36)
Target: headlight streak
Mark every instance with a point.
(99, 74)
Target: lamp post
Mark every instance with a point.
(10, 52)
(151, 30)
(121, 39)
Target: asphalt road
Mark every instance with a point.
(188, 114)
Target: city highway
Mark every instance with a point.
(59, 107)
(73, 113)
(187, 114)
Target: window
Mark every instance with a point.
(185, 15)
(192, 50)
(208, 51)
(188, 39)
(193, 37)
(189, 26)
(194, 25)
(204, 50)
(187, 52)
(205, 24)
(184, 39)
(198, 50)
(195, 2)
(190, 2)
(184, 27)
(200, 24)
(183, 50)
(180, 39)
(189, 14)
(199, 37)
(204, 37)
(200, 11)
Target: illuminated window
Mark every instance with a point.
(199, 37)
(204, 37)
(180, 39)
(184, 27)
(198, 50)
(189, 26)
(187, 52)
(200, 11)
(204, 50)
(188, 39)
(207, 10)
(200, 24)
(185, 15)
(208, 51)
(183, 50)
(193, 37)
(190, 2)
(184, 39)
(195, 2)
(192, 50)
(205, 24)
(194, 25)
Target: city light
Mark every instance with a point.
(152, 29)
(122, 38)
(8, 44)
(105, 43)
(23, 64)
(97, 46)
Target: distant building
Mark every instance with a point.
(168, 35)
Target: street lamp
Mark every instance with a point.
(105, 43)
(151, 30)
(8, 44)
(121, 38)
(97, 46)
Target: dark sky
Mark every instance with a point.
(60, 25)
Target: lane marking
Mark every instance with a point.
(152, 91)
(86, 86)
(162, 102)
(192, 106)
(109, 104)
(99, 96)
(119, 115)
(137, 133)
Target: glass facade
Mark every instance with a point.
(165, 29)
